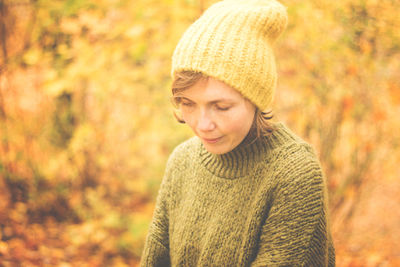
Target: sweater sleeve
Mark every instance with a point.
(156, 247)
(295, 232)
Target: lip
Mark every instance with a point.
(211, 141)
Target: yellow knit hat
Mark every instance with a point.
(232, 42)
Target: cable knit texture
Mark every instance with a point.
(262, 204)
(232, 42)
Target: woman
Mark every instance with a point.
(243, 191)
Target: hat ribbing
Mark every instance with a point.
(232, 42)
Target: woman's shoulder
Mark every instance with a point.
(293, 153)
(297, 166)
(284, 140)
(186, 147)
(296, 153)
(184, 151)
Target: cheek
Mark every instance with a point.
(242, 124)
(190, 120)
(236, 125)
(232, 126)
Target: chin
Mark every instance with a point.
(216, 150)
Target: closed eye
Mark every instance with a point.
(187, 104)
(222, 108)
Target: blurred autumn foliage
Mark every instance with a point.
(86, 124)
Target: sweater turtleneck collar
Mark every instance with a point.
(243, 158)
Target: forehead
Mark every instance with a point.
(210, 89)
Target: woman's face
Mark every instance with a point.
(218, 114)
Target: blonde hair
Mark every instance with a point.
(185, 79)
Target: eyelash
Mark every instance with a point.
(218, 108)
(187, 104)
(222, 109)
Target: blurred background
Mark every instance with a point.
(86, 124)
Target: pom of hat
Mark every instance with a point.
(272, 14)
(276, 20)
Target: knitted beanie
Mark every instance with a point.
(232, 42)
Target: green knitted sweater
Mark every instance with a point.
(261, 204)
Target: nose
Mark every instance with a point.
(205, 122)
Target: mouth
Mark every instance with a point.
(211, 141)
